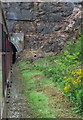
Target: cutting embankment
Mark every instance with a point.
(53, 84)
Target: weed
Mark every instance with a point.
(63, 70)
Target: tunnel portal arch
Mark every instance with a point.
(17, 39)
(14, 46)
(14, 49)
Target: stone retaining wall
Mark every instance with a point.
(45, 25)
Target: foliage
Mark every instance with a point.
(38, 101)
(73, 88)
(69, 60)
(63, 69)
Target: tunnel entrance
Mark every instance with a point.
(14, 54)
(17, 41)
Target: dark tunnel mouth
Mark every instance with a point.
(14, 54)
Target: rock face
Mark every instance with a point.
(45, 25)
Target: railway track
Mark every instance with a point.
(17, 103)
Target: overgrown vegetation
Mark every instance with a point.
(38, 101)
(74, 90)
(64, 70)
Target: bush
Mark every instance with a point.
(67, 64)
(74, 89)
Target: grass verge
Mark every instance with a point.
(49, 81)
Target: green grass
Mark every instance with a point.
(64, 64)
(38, 101)
(51, 71)
(0, 75)
(40, 105)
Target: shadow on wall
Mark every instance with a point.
(14, 54)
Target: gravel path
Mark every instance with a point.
(17, 106)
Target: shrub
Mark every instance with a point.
(73, 88)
